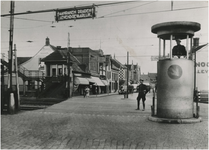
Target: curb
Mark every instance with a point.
(180, 121)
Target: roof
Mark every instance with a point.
(55, 56)
(60, 55)
(152, 75)
(114, 62)
(77, 68)
(135, 67)
(53, 47)
(128, 66)
(145, 77)
(121, 65)
(180, 29)
(31, 58)
(76, 49)
(21, 60)
(100, 52)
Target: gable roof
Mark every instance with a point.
(61, 56)
(55, 56)
(114, 62)
(21, 60)
(121, 65)
(30, 62)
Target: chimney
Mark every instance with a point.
(195, 42)
(47, 42)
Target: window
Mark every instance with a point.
(53, 71)
(60, 71)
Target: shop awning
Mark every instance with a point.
(105, 82)
(91, 80)
(98, 82)
(79, 80)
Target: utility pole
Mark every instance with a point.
(11, 101)
(127, 72)
(11, 42)
(68, 64)
(17, 98)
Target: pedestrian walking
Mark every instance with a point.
(142, 89)
(86, 92)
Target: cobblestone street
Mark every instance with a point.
(109, 122)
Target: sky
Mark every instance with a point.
(117, 28)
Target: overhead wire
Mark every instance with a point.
(153, 12)
(107, 15)
(28, 27)
(53, 10)
(126, 9)
(29, 19)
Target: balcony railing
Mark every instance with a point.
(30, 73)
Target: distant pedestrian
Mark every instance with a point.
(86, 92)
(142, 89)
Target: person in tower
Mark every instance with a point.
(143, 90)
(179, 50)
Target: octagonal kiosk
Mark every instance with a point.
(175, 75)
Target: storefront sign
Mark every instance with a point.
(75, 13)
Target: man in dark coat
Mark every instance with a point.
(142, 89)
(179, 50)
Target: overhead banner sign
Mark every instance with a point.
(75, 13)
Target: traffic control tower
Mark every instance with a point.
(175, 75)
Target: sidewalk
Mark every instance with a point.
(99, 95)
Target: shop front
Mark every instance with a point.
(79, 85)
(96, 85)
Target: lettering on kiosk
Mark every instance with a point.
(203, 65)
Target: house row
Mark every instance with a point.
(57, 71)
